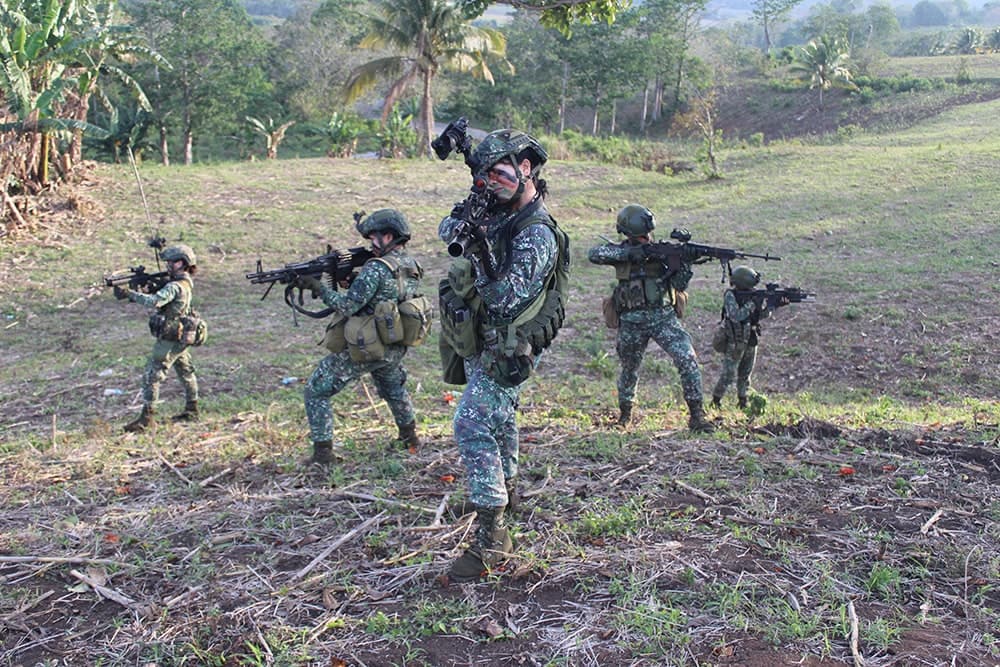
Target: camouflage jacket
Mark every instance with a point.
(375, 283)
(744, 318)
(524, 263)
(172, 300)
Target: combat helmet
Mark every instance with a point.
(501, 144)
(179, 251)
(385, 220)
(743, 277)
(635, 220)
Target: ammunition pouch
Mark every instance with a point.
(680, 302)
(459, 321)
(335, 340)
(640, 286)
(611, 319)
(387, 322)
(507, 357)
(452, 365)
(363, 341)
(157, 322)
(720, 338)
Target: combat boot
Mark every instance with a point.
(624, 414)
(322, 453)
(143, 421)
(697, 421)
(741, 401)
(408, 435)
(492, 547)
(190, 413)
(466, 506)
(717, 402)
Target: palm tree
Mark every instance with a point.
(825, 61)
(426, 36)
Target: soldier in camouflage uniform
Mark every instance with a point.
(741, 317)
(524, 245)
(388, 232)
(171, 302)
(645, 299)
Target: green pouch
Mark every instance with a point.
(459, 321)
(452, 365)
(416, 314)
(363, 341)
(335, 340)
(387, 322)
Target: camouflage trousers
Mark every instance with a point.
(486, 434)
(336, 371)
(167, 354)
(661, 325)
(738, 362)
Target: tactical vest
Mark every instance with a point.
(507, 345)
(165, 323)
(642, 286)
(741, 333)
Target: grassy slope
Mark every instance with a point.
(895, 232)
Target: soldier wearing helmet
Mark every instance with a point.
(393, 276)
(647, 302)
(525, 254)
(741, 316)
(171, 303)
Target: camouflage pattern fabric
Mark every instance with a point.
(484, 422)
(172, 300)
(167, 354)
(660, 324)
(375, 283)
(741, 344)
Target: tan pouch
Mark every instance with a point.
(390, 327)
(335, 340)
(680, 302)
(417, 314)
(610, 312)
(363, 342)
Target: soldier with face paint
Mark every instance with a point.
(510, 284)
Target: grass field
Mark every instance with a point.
(863, 498)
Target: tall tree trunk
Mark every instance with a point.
(658, 98)
(164, 147)
(614, 115)
(562, 98)
(645, 108)
(428, 119)
(188, 146)
(43, 160)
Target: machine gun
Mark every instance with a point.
(674, 254)
(340, 265)
(472, 211)
(774, 295)
(136, 277)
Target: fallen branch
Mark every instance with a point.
(931, 521)
(698, 492)
(208, 480)
(545, 482)
(628, 474)
(104, 591)
(859, 660)
(172, 467)
(339, 542)
(74, 560)
(376, 499)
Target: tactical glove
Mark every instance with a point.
(120, 293)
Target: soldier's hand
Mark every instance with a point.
(120, 292)
(784, 301)
(310, 283)
(458, 210)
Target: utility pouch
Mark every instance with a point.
(720, 338)
(610, 313)
(452, 365)
(156, 324)
(680, 302)
(416, 315)
(335, 340)
(506, 359)
(459, 321)
(363, 342)
(387, 322)
(192, 330)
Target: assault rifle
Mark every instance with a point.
(340, 265)
(136, 276)
(138, 280)
(674, 254)
(775, 296)
(472, 211)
